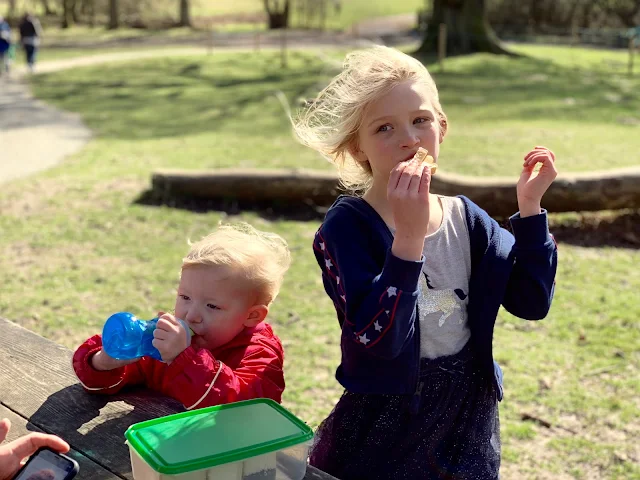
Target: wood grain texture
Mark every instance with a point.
(89, 470)
(38, 384)
(589, 191)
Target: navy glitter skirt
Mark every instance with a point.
(450, 431)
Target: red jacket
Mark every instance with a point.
(249, 366)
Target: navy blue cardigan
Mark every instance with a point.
(375, 293)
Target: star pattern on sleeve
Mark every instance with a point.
(381, 322)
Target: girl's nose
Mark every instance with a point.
(409, 139)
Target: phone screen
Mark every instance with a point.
(46, 465)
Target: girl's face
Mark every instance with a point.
(394, 126)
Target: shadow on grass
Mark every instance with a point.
(590, 229)
(269, 210)
(620, 229)
(173, 97)
(500, 88)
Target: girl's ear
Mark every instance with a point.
(443, 129)
(357, 154)
(255, 315)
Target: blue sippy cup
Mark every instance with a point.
(125, 337)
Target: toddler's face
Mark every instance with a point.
(395, 125)
(215, 302)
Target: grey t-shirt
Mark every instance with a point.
(444, 284)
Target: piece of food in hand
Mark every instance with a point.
(422, 155)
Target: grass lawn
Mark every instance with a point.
(86, 245)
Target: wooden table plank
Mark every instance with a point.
(89, 470)
(37, 382)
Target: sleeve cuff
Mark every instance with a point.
(531, 231)
(403, 274)
(187, 357)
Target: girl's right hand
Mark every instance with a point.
(408, 196)
(102, 361)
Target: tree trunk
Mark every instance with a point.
(278, 13)
(185, 17)
(592, 191)
(468, 30)
(67, 13)
(47, 8)
(12, 8)
(113, 15)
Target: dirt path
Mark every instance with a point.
(35, 136)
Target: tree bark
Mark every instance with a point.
(68, 15)
(185, 16)
(277, 13)
(114, 21)
(593, 191)
(468, 29)
(12, 9)
(47, 8)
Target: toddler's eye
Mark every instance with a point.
(384, 128)
(212, 306)
(184, 297)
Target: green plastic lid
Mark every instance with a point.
(213, 436)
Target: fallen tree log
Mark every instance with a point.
(591, 191)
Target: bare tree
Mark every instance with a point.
(47, 8)
(114, 21)
(277, 12)
(12, 8)
(185, 17)
(625, 10)
(468, 28)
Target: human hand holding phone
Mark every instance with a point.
(13, 453)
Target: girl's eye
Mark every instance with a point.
(421, 120)
(384, 128)
(212, 306)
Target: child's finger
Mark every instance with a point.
(394, 178)
(407, 174)
(5, 426)
(536, 157)
(416, 178)
(425, 180)
(160, 334)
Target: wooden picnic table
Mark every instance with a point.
(39, 392)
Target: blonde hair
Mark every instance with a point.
(262, 258)
(331, 122)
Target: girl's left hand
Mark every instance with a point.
(532, 186)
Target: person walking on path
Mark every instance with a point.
(5, 45)
(30, 36)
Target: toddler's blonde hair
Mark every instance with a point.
(331, 122)
(261, 258)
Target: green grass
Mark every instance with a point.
(86, 245)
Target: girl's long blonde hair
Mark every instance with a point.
(331, 122)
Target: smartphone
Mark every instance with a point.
(46, 464)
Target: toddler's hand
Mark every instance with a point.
(169, 337)
(102, 361)
(408, 195)
(531, 187)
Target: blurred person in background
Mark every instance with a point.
(5, 45)
(30, 36)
